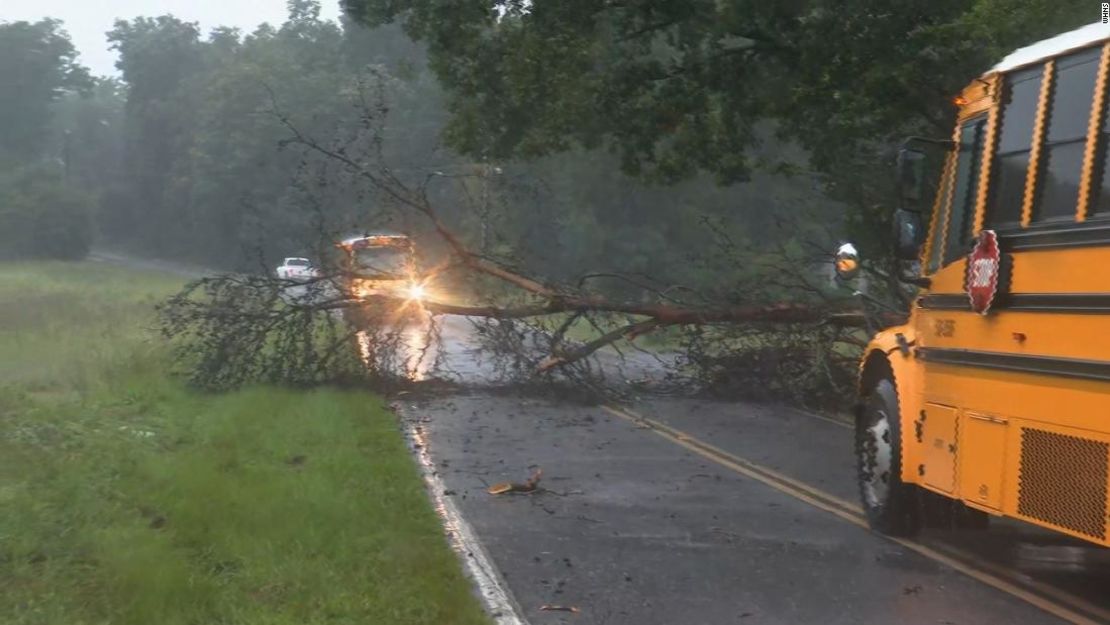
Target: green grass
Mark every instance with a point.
(125, 498)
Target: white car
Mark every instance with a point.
(296, 268)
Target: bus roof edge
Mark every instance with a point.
(1054, 46)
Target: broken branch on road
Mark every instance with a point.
(559, 608)
(527, 487)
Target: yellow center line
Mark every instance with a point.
(832, 420)
(741, 465)
(853, 514)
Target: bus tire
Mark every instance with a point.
(892, 506)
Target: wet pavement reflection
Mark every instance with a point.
(1067, 568)
(452, 352)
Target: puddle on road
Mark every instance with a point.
(419, 352)
(416, 348)
(453, 352)
(1031, 550)
(1062, 558)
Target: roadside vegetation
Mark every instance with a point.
(126, 498)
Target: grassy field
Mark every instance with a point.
(125, 498)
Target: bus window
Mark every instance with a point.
(385, 260)
(1100, 185)
(1066, 139)
(1019, 110)
(968, 158)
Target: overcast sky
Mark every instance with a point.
(88, 20)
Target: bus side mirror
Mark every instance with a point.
(911, 176)
(909, 234)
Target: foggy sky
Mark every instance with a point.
(88, 20)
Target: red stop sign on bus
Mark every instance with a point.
(982, 271)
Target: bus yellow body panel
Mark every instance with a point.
(1009, 411)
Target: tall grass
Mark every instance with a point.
(124, 498)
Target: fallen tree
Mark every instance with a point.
(232, 329)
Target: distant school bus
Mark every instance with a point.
(994, 398)
(381, 263)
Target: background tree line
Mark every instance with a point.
(179, 157)
(599, 128)
(40, 215)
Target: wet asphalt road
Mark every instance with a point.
(632, 528)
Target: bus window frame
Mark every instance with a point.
(1048, 125)
(1083, 230)
(1097, 148)
(935, 255)
(978, 154)
(935, 242)
(1004, 86)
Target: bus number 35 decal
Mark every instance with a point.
(944, 327)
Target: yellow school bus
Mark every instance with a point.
(380, 264)
(994, 398)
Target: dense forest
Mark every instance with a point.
(574, 137)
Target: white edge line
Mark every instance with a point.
(500, 605)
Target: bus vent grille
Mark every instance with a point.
(1062, 481)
